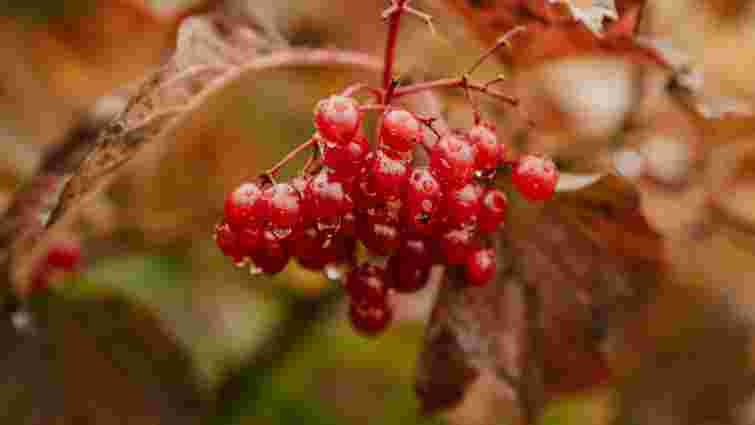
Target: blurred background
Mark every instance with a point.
(159, 328)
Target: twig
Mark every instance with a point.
(393, 14)
(289, 156)
(454, 83)
(505, 40)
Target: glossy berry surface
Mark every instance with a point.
(487, 150)
(535, 177)
(366, 284)
(326, 197)
(272, 256)
(281, 205)
(492, 210)
(228, 241)
(337, 119)
(452, 160)
(388, 176)
(424, 199)
(346, 159)
(409, 269)
(480, 267)
(463, 204)
(370, 319)
(400, 130)
(457, 244)
(242, 205)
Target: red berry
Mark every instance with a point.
(337, 119)
(272, 256)
(348, 225)
(281, 205)
(452, 159)
(481, 265)
(463, 204)
(366, 284)
(407, 277)
(487, 150)
(380, 238)
(64, 255)
(424, 198)
(326, 197)
(249, 238)
(400, 130)
(314, 250)
(388, 176)
(535, 177)
(492, 210)
(242, 206)
(346, 159)
(228, 242)
(370, 319)
(457, 244)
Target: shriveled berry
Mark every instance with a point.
(492, 211)
(424, 199)
(457, 244)
(337, 119)
(348, 158)
(281, 205)
(481, 265)
(272, 256)
(388, 176)
(535, 177)
(400, 130)
(463, 204)
(64, 255)
(452, 160)
(487, 150)
(370, 319)
(326, 197)
(228, 242)
(242, 205)
(407, 278)
(366, 284)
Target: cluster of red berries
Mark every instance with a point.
(61, 257)
(416, 215)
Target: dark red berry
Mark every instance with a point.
(457, 244)
(249, 238)
(492, 211)
(406, 275)
(379, 229)
(337, 119)
(481, 265)
(272, 256)
(487, 150)
(346, 159)
(388, 176)
(366, 284)
(535, 177)
(348, 225)
(400, 130)
(326, 197)
(370, 319)
(64, 255)
(242, 205)
(463, 204)
(228, 242)
(452, 160)
(320, 250)
(281, 205)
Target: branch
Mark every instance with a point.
(460, 82)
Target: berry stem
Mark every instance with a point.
(393, 14)
(458, 82)
(355, 88)
(286, 159)
(504, 40)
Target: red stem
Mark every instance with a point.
(286, 159)
(454, 83)
(394, 20)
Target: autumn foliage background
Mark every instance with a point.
(626, 299)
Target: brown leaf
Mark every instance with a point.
(588, 257)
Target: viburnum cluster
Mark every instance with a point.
(377, 194)
(414, 196)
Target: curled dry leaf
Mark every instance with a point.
(567, 274)
(66, 57)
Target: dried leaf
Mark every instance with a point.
(592, 13)
(589, 257)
